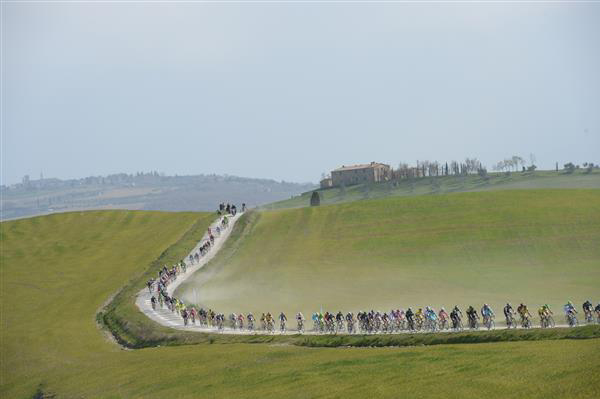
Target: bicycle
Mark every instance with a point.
(571, 320)
(511, 322)
(547, 322)
(488, 322)
(473, 323)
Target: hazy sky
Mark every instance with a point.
(288, 91)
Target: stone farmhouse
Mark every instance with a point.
(357, 174)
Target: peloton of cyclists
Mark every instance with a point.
(424, 319)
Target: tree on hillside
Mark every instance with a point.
(500, 166)
(517, 161)
(482, 172)
(315, 199)
(472, 165)
(454, 167)
(532, 160)
(569, 167)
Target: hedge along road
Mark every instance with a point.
(167, 318)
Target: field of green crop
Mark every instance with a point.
(58, 270)
(447, 184)
(532, 246)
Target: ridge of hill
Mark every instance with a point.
(432, 185)
(141, 191)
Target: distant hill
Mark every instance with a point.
(142, 191)
(447, 184)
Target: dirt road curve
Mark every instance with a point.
(171, 319)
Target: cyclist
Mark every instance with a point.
(300, 321)
(339, 318)
(250, 319)
(443, 318)
(525, 315)
(473, 317)
(193, 314)
(431, 317)
(456, 316)
(419, 318)
(487, 312)
(350, 322)
(321, 318)
(263, 322)
(587, 310)
(315, 320)
(544, 312)
(509, 315)
(409, 317)
(570, 313)
(569, 308)
(282, 320)
(184, 314)
(270, 322)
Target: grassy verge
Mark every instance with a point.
(122, 317)
(467, 337)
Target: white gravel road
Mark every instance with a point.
(170, 319)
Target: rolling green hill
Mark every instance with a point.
(532, 246)
(446, 184)
(58, 270)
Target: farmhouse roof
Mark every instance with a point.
(360, 166)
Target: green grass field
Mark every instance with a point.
(447, 184)
(535, 246)
(58, 270)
